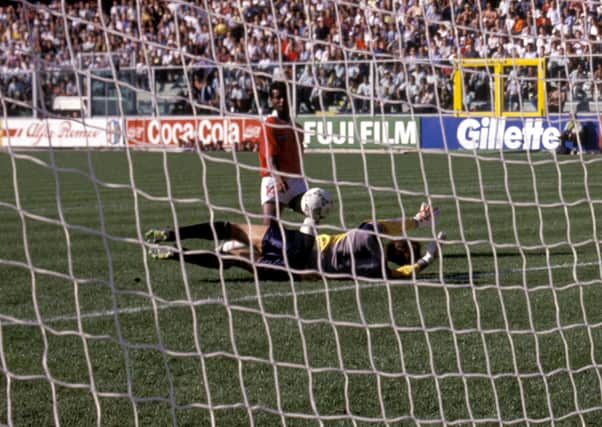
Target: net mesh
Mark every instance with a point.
(503, 328)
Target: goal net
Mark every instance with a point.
(125, 116)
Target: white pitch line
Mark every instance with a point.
(520, 270)
(180, 303)
(161, 306)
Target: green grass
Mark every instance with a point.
(505, 328)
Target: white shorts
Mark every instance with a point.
(296, 186)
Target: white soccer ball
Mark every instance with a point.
(316, 203)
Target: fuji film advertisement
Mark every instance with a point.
(349, 132)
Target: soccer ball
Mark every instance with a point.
(220, 29)
(316, 203)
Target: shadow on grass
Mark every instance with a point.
(246, 280)
(483, 277)
(478, 276)
(489, 254)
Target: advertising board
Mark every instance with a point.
(190, 130)
(337, 132)
(60, 133)
(344, 131)
(490, 133)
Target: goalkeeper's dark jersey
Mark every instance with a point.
(359, 252)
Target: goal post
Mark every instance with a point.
(122, 117)
(482, 87)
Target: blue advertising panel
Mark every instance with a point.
(495, 133)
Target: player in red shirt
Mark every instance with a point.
(280, 152)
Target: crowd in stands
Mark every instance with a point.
(366, 56)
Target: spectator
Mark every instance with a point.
(572, 137)
(512, 92)
(557, 94)
(364, 94)
(203, 94)
(490, 15)
(305, 84)
(426, 98)
(409, 90)
(319, 98)
(385, 91)
(478, 97)
(529, 87)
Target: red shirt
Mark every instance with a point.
(281, 144)
(288, 50)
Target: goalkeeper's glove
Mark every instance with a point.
(426, 215)
(432, 250)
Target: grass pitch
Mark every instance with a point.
(505, 328)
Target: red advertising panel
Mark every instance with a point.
(225, 131)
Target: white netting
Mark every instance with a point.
(504, 328)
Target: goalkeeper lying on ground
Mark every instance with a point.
(356, 252)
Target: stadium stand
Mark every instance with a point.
(412, 42)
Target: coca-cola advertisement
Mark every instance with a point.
(220, 132)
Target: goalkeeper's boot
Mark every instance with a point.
(163, 252)
(158, 235)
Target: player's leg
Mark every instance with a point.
(272, 201)
(204, 230)
(296, 190)
(205, 259)
(268, 250)
(270, 208)
(249, 235)
(270, 212)
(219, 230)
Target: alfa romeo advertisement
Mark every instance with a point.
(60, 133)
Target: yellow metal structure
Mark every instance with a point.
(500, 72)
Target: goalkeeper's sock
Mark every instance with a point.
(431, 250)
(229, 245)
(205, 231)
(428, 258)
(308, 227)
